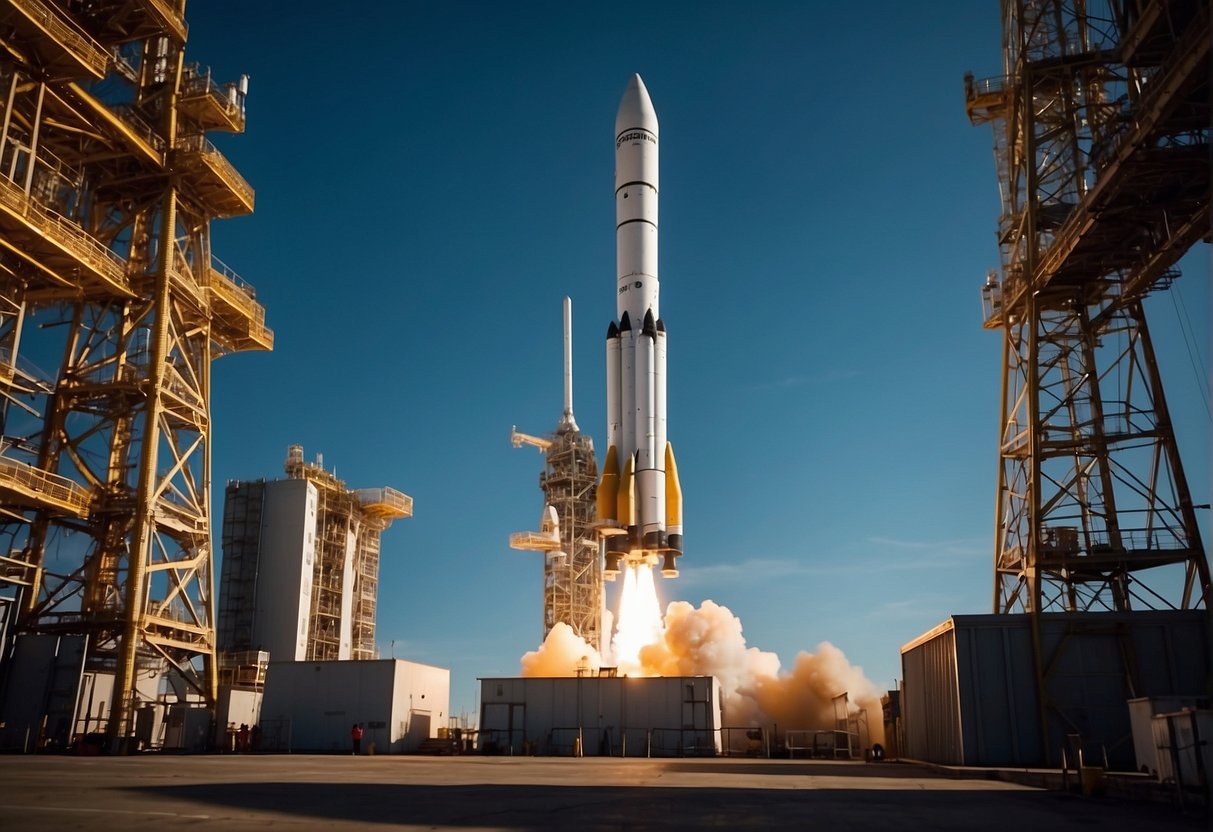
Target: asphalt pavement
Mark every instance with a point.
(232, 793)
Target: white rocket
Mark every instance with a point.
(639, 497)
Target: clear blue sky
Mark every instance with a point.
(432, 178)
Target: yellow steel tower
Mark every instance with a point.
(108, 185)
(1101, 127)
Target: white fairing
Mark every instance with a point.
(636, 189)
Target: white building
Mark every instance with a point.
(311, 706)
(300, 575)
(622, 716)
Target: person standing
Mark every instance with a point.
(356, 738)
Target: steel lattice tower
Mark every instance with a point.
(1101, 133)
(1101, 128)
(107, 192)
(572, 568)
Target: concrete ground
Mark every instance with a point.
(233, 793)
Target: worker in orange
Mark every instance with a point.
(356, 738)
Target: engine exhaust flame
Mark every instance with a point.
(639, 619)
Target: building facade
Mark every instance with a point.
(300, 574)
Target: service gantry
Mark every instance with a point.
(1101, 132)
(112, 306)
(1101, 127)
(572, 567)
(349, 523)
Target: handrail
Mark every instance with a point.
(66, 234)
(240, 283)
(198, 143)
(141, 127)
(385, 496)
(55, 487)
(169, 12)
(228, 286)
(232, 291)
(976, 87)
(227, 96)
(87, 49)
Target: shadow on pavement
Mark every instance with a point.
(554, 807)
(818, 768)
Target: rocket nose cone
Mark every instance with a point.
(636, 109)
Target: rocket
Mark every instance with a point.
(639, 504)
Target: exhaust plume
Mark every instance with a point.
(708, 641)
(562, 653)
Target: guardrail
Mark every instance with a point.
(140, 127)
(227, 286)
(227, 97)
(53, 487)
(744, 742)
(386, 497)
(690, 742)
(498, 740)
(169, 13)
(821, 742)
(210, 155)
(977, 87)
(81, 45)
(66, 234)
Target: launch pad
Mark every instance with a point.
(234, 793)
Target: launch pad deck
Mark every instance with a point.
(246, 792)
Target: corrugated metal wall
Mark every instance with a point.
(970, 693)
(997, 691)
(929, 705)
(615, 716)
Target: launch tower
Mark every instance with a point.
(572, 570)
(112, 306)
(1101, 127)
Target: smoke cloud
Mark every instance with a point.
(562, 653)
(708, 641)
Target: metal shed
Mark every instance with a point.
(310, 706)
(970, 695)
(628, 716)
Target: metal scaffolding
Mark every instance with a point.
(572, 565)
(348, 527)
(1101, 127)
(1101, 134)
(108, 186)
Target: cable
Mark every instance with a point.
(1202, 374)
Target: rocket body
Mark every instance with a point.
(644, 521)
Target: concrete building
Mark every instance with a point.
(300, 575)
(623, 716)
(311, 706)
(269, 551)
